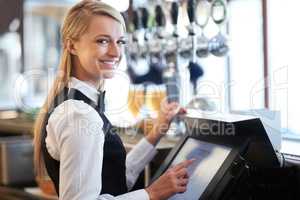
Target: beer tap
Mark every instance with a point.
(195, 69)
(136, 25)
(172, 79)
(144, 22)
(171, 73)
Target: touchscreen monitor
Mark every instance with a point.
(209, 159)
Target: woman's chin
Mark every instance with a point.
(108, 75)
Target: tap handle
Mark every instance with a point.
(159, 16)
(145, 17)
(136, 20)
(191, 10)
(174, 13)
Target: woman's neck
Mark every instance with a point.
(83, 75)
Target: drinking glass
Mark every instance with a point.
(202, 14)
(218, 45)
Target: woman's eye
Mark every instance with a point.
(121, 42)
(103, 41)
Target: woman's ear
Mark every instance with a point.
(71, 47)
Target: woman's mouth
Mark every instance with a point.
(108, 64)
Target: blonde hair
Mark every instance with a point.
(74, 26)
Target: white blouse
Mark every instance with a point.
(75, 138)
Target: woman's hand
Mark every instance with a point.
(167, 112)
(161, 125)
(173, 181)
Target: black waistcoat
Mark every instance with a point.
(114, 154)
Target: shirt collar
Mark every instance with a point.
(86, 88)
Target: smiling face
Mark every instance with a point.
(97, 53)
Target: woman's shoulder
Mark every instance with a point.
(74, 111)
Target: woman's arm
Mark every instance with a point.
(137, 159)
(145, 151)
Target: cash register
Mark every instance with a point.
(227, 148)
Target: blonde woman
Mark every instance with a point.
(74, 141)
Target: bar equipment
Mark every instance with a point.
(171, 74)
(202, 14)
(172, 79)
(218, 45)
(195, 69)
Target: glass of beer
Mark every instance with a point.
(155, 95)
(136, 99)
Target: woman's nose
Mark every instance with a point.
(114, 50)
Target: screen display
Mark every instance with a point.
(209, 158)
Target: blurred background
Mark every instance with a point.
(218, 56)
